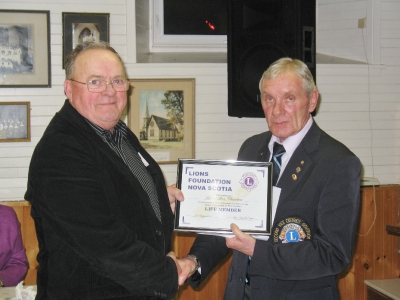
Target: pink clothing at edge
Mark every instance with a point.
(13, 261)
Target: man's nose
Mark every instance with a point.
(277, 107)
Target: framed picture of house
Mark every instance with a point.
(15, 123)
(81, 27)
(25, 49)
(161, 114)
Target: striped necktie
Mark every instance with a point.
(138, 169)
(278, 151)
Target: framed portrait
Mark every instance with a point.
(25, 48)
(161, 114)
(82, 27)
(15, 125)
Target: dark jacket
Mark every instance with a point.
(99, 237)
(320, 188)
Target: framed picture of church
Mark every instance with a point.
(81, 27)
(161, 114)
(25, 48)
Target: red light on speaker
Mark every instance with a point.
(211, 26)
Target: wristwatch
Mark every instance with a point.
(194, 258)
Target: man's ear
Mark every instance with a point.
(68, 88)
(314, 100)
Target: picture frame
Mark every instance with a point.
(15, 123)
(161, 115)
(25, 59)
(221, 192)
(80, 27)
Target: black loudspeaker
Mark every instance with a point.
(259, 33)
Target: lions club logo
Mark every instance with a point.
(291, 230)
(249, 181)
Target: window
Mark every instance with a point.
(188, 26)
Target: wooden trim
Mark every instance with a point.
(393, 229)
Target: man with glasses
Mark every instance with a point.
(102, 212)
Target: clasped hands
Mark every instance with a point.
(242, 242)
(186, 266)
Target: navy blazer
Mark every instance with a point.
(320, 190)
(99, 237)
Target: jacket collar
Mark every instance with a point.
(301, 163)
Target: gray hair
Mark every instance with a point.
(285, 65)
(69, 63)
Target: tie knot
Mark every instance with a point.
(278, 150)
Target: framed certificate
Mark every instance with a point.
(218, 193)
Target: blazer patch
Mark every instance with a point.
(291, 230)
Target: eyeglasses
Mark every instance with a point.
(99, 85)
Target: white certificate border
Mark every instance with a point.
(184, 162)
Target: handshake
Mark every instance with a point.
(188, 265)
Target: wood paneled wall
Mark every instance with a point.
(376, 254)
(213, 288)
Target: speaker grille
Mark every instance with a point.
(254, 62)
(259, 33)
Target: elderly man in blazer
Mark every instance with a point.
(99, 201)
(316, 217)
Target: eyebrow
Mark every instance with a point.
(102, 77)
(285, 94)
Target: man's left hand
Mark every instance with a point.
(242, 242)
(174, 194)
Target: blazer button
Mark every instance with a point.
(158, 232)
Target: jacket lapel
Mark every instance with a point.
(263, 152)
(300, 165)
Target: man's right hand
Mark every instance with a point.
(188, 266)
(178, 267)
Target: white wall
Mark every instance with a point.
(338, 33)
(359, 102)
